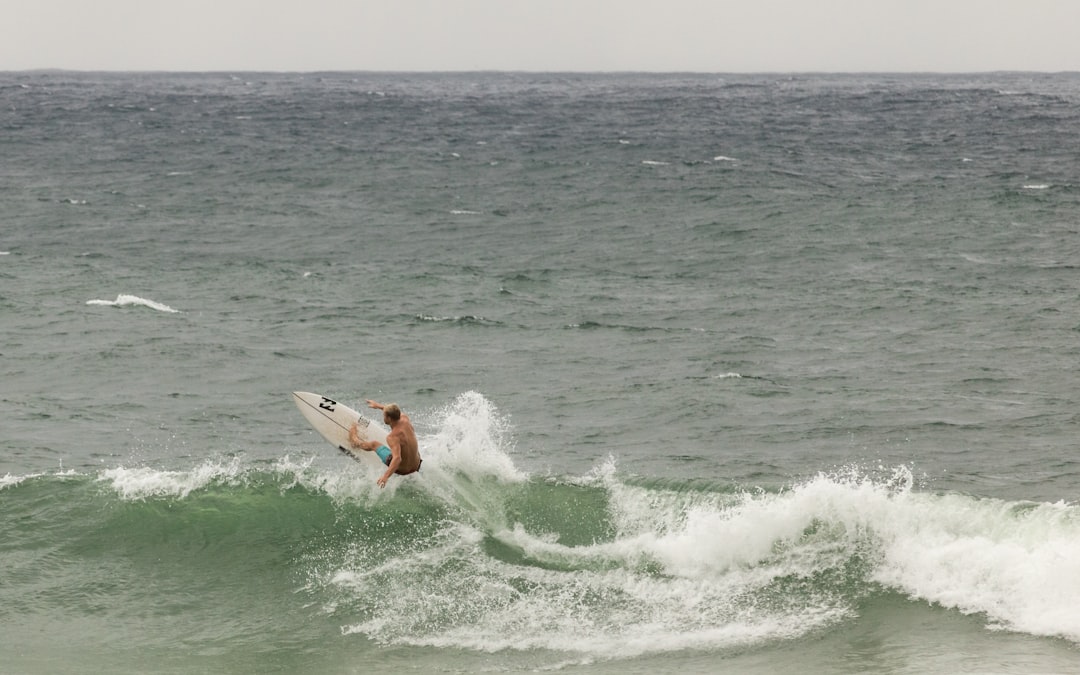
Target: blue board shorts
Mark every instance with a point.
(384, 454)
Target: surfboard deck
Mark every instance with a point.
(333, 420)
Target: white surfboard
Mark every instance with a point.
(333, 420)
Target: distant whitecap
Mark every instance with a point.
(723, 158)
(650, 162)
(123, 300)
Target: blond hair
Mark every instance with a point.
(392, 411)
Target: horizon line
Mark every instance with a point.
(522, 71)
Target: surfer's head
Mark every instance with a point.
(391, 412)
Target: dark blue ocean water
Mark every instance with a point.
(717, 373)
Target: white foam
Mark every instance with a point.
(701, 569)
(602, 599)
(722, 158)
(560, 612)
(354, 484)
(124, 300)
(1036, 186)
(145, 482)
(575, 604)
(9, 480)
(1018, 564)
(650, 162)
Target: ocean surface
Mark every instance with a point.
(711, 373)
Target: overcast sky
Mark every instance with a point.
(542, 35)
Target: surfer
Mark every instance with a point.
(401, 452)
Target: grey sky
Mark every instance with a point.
(552, 35)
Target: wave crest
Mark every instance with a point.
(124, 300)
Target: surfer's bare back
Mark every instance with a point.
(401, 452)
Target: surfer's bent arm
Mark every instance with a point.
(395, 460)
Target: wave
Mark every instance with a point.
(472, 553)
(604, 565)
(124, 300)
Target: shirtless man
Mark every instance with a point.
(401, 452)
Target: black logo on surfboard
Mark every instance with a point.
(327, 404)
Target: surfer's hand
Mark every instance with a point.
(381, 481)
